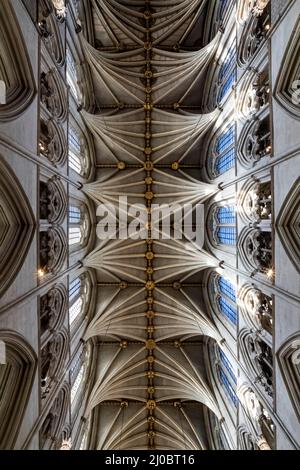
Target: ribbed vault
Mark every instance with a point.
(148, 62)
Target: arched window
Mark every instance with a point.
(226, 229)
(228, 73)
(227, 377)
(78, 225)
(223, 225)
(74, 235)
(225, 151)
(72, 75)
(79, 299)
(77, 384)
(78, 375)
(75, 300)
(227, 299)
(75, 150)
(223, 296)
(74, 289)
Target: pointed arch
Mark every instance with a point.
(17, 226)
(288, 225)
(16, 380)
(289, 362)
(15, 66)
(287, 86)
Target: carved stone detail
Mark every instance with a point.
(53, 307)
(255, 201)
(53, 143)
(255, 249)
(258, 357)
(53, 201)
(51, 432)
(53, 95)
(53, 250)
(53, 357)
(257, 308)
(49, 30)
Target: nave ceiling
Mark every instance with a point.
(148, 62)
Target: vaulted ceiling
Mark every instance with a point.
(148, 61)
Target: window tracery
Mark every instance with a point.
(222, 223)
(227, 73)
(79, 158)
(223, 297)
(79, 298)
(73, 76)
(78, 377)
(79, 225)
(222, 154)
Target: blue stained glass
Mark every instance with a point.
(227, 74)
(227, 235)
(227, 385)
(227, 288)
(225, 151)
(74, 215)
(74, 289)
(228, 310)
(226, 215)
(225, 140)
(227, 365)
(225, 162)
(227, 85)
